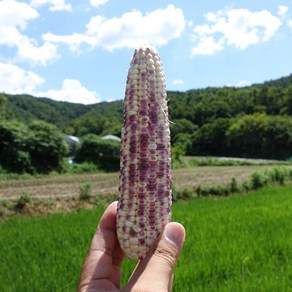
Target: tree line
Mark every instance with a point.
(253, 121)
(249, 136)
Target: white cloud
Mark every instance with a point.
(15, 80)
(97, 3)
(282, 10)
(243, 83)
(190, 23)
(132, 29)
(72, 91)
(289, 23)
(54, 5)
(29, 52)
(237, 28)
(16, 14)
(208, 46)
(73, 41)
(14, 18)
(177, 81)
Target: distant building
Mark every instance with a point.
(111, 137)
(72, 141)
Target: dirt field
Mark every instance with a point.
(64, 186)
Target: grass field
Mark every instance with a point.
(235, 243)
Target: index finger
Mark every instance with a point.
(105, 255)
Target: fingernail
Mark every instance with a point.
(175, 233)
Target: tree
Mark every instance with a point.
(36, 148)
(267, 100)
(277, 141)
(104, 153)
(3, 101)
(14, 156)
(210, 139)
(245, 136)
(47, 147)
(287, 101)
(181, 126)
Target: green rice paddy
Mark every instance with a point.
(234, 243)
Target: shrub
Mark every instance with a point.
(258, 180)
(39, 147)
(177, 153)
(85, 192)
(246, 186)
(24, 199)
(105, 154)
(185, 194)
(233, 185)
(79, 168)
(212, 191)
(289, 174)
(278, 175)
(99, 201)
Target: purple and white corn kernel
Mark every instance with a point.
(144, 206)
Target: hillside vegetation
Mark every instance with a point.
(199, 106)
(250, 122)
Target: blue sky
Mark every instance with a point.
(79, 51)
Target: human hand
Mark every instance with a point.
(102, 268)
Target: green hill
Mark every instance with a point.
(219, 120)
(27, 107)
(198, 105)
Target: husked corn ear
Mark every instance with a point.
(144, 205)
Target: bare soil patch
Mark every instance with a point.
(62, 193)
(62, 186)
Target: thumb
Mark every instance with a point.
(156, 269)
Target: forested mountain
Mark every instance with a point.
(64, 115)
(198, 106)
(281, 82)
(205, 121)
(27, 107)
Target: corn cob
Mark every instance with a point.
(144, 205)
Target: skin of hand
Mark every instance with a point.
(102, 268)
